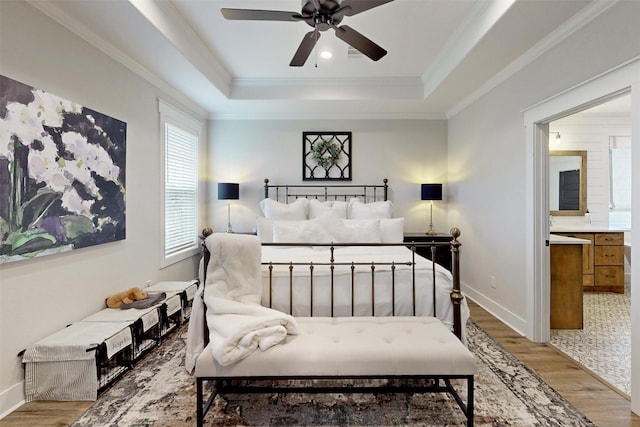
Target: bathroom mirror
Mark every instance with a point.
(568, 182)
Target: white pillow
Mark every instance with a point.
(295, 211)
(356, 231)
(330, 208)
(373, 210)
(264, 228)
(392, 230)
(306, 231)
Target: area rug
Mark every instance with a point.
(159, 392)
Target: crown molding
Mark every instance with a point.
(476, 25)
(326, 116)
(88, 35)
(174, 28)
(407, 88)
(579, 20)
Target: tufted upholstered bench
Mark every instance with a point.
(420, 348)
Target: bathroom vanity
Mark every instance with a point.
(602, 260)
(566, 281)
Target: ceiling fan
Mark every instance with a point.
(321, 15)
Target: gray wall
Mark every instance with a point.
(407, 152)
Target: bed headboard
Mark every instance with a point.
(290, 192)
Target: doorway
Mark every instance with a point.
(603, 133)
(623, 79)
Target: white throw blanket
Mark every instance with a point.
(238, 324)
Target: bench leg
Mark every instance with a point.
(199, 402)
(470, 401)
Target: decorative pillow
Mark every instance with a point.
(392, 230)
(306, 231)
(330, 208)
(264, 228)
(356, 231)
(373, 210)
(296, 211)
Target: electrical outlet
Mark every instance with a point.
(492, 281)
(147, 283)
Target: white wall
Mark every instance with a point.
(495, 123)
(488, 159)
(40, 296)
(407, 152)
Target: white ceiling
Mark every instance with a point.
(441, 53)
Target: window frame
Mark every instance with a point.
(174, 117)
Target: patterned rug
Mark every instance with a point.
(159, 392)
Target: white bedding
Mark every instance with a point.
(362, 282)
(238, 323)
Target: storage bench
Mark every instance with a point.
(186, 290)
(352, 348)
(145, 325)
(77, 361)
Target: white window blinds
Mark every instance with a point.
(181, 189)
(180, 204)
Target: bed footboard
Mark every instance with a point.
(392, 268)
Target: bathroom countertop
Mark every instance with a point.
(584, 228)
(554, 239)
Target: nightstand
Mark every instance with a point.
(443, 253)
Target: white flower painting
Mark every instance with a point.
(62, 174)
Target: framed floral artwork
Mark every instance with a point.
(326, 156)
(62, 174)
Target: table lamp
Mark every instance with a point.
(431, 192)
(228, 191)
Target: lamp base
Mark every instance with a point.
(229, 230)
(431, 232)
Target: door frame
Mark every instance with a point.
(621, 79)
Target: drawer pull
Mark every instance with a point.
(609, 275)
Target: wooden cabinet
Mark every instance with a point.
(603, 261)
(443, 253)
(566, 286)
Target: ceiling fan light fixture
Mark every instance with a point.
(325, 54)
(321, 15)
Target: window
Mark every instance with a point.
(620, 181)
(180, 141)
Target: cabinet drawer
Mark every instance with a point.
(610, 239)
(609, 255)
(609, 276)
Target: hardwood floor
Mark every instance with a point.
(601, 404)
(596, 400)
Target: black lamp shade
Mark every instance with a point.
(228, 191)
(431, 192)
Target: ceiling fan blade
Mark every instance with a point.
(304, 50)
(353, 7)
(360, 42)
(260, 15)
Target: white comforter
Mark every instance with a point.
(362, 277)
(238, 324)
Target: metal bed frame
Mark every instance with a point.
(431, 383)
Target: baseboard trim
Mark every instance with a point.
(516, 323)
(11, 399)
